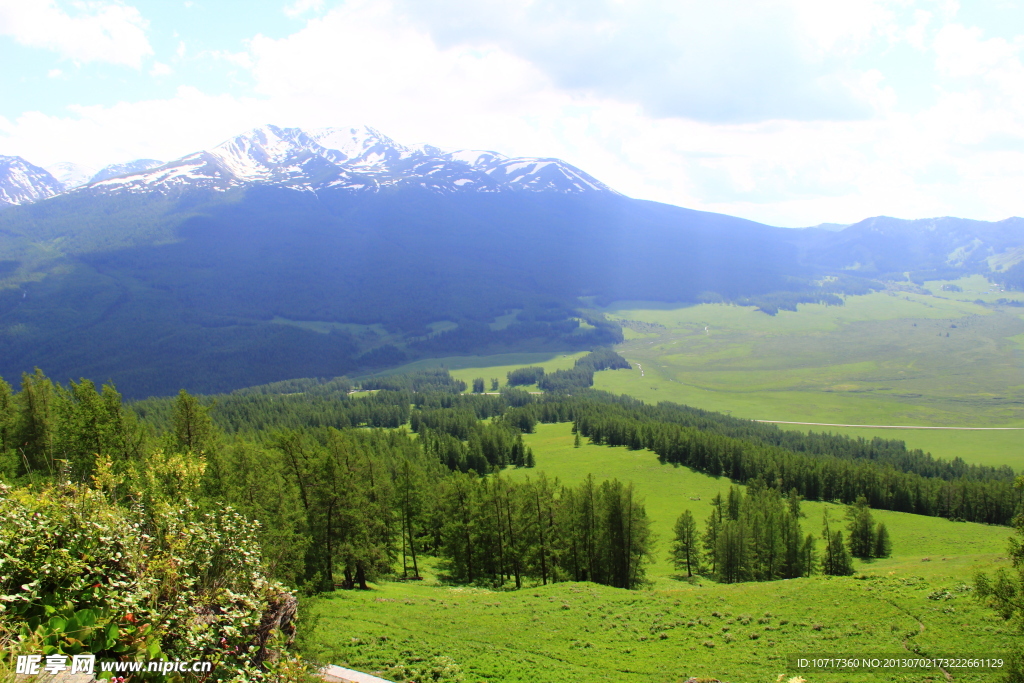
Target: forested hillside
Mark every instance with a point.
(159, 293)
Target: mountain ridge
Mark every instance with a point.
(357, 158)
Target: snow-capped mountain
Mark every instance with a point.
(24, 183)
(70, 174)
(357, 159)
(130, 167)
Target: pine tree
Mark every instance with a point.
(712, 527)
(685, 552)
(808, 556)
(882, 544)
(193, 428)
(861, 528)
(836, 560)
(478, 385)
(34, 430)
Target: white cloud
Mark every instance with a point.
(367, 62)
(160, 69)
(98, 32)
(736, 60)
(300, 7)
(240, 59)
(155, 129)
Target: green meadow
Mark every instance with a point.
(898, 357)
(468, 368)
(917, 601)
(668, 490)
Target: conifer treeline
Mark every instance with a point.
(504, 531)
(813, 476)
(883, 451)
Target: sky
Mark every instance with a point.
(788, 112)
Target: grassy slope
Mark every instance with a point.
(669, 490)
(581, 632)
(572, 632)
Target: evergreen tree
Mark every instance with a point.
(478, 385)
(193, 428)
(411, 490)
(254, 480)
(731, 553)
(861, 529)
(836, 560)
(34, 426)
(712, 527)
(793, 562)
(808, 555)
(882, 544)
(685, 551)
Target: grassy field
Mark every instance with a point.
(917, 601)
(468, 368)
(888, 358)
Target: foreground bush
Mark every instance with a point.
(130, 569)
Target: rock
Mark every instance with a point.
(279, 616)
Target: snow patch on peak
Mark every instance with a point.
(477, 158)
(253, 155)
(129, 167)
(70, 174)
(24, 183)
(353, 142)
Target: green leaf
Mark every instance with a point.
(86, 617)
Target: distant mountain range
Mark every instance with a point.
(355, 159)
(286, 253)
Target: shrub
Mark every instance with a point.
(144, 577)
